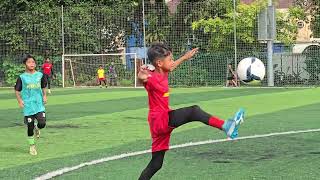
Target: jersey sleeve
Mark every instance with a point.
(149, 85)
(18, 85)
(43, 82)
(153, 84)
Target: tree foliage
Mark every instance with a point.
(315, 21)
(221, 27)
(287, 24)
(35, 26)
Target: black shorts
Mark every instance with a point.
(47, 76)
(40, 116)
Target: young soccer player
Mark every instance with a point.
(47, 72)
(101, 76)
(232, 79)
(162, 120)
(30, 91)
(112, 74)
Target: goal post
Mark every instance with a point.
(80, 70)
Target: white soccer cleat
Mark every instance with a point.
(33, 150)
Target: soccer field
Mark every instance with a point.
(90, 124)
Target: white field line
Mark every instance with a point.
(58, 172)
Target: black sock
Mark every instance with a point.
(154, 165)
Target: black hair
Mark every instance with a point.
(158, 51)
(28, 56)
(100, 66)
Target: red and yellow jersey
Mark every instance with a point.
(158, 92)
(158, 117)
(47, 67)
(100, 73)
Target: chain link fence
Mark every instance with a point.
(126, 28)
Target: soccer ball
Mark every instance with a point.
(251, 70)
(150, 67)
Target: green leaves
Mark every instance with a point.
(12, 71)
(221, 27)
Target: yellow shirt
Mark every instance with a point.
(100, 73)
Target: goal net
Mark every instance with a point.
(80, 70)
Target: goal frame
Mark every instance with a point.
(65, 60)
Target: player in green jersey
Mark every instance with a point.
(31, 95)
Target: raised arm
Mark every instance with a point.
(183, 58)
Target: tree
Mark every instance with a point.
(315, 21)
(287, 24)
(220, 27)
(33, 26)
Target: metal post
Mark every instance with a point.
(235, 34)
(144, 33)
(72, 74)
(270, 50)
(135, 70)
(63, 52)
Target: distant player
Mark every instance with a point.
(112, 74)
(31, 95)
(47, 72)
(101, 76)
(162, 120)
(232, 79)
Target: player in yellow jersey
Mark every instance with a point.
(101, 76)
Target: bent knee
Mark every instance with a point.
(41, 124)
(195, 107)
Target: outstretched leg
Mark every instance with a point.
(154, 165)
(185, 115)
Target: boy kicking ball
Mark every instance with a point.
(163, 120)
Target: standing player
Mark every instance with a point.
(101, 76)
(232, 79)
(31, 95)
(47, 72)
(113, 74)
(162, 120)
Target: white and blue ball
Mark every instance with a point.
(251, 70)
